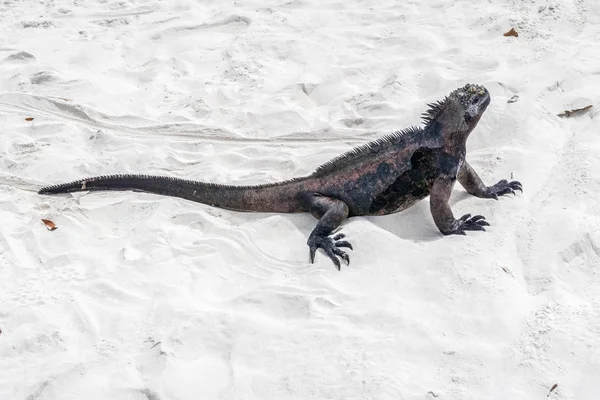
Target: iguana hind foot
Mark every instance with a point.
(331, 213)
(342, 243)
(330, 246)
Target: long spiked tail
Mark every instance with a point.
(277, 197)
(146, 183)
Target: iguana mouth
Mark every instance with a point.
(485, 100)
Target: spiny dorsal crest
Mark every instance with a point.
(434, 110)
(365, 149)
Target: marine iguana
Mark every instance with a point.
(384, 176)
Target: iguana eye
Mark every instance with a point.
(475, 99)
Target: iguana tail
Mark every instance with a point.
(276, 197)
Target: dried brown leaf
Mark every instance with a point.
(512, 32)
(575, 111)
(29, 119)
(552, 388)
(49, 224)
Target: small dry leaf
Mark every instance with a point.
(29, 119)
(512, 32)
(575, 111)
(49, 224)
(552, 388)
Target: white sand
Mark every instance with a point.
(138, 296)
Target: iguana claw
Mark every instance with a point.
(468, 223)
(331, 248)
(503, 187)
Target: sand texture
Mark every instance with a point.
(138, 296)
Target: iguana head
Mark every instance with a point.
(458, 114)
(473, 99)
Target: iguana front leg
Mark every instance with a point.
(473, 184)
(442, 214)
(331, 213)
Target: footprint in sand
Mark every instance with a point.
(42, 77)
(585, 244)
(151, 361)
(20, 56)
(233, 24)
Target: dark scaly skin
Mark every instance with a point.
(384, 176)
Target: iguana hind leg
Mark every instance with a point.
(331, 213)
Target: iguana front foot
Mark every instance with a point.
(467, 223)
(501, 188)
(330, 246)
